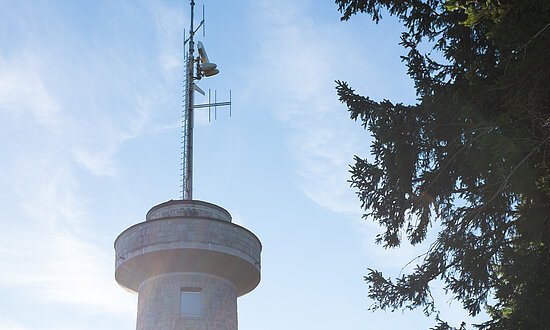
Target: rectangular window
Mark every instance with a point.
(191, 302)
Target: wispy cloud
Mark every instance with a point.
(22, 90)
(51, 258)
(55, 265)
(55, 126)
(10, 325)
(300, 60)
(299, 57)
(170, 23)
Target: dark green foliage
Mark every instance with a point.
(472, 155)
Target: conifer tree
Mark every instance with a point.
(472, 155)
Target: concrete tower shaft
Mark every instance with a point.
(189, 264)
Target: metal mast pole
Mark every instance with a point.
(188, 118)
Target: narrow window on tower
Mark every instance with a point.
(191, 302)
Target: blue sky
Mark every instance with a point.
(90, 101)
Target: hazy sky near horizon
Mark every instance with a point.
(90, 102)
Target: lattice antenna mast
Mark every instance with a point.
(187, 161)
(204, 68)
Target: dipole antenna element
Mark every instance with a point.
(204, 68)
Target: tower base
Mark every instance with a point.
(161, 303)
(189, 264)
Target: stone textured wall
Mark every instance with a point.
(159, 303)
(184, 233)
(187, 244)
(170, 245)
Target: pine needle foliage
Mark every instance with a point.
(472, 155)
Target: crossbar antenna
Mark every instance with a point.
(204, 68)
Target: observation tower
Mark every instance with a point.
(187, 261)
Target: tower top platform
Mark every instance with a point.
(188, 236)
(188, 209)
